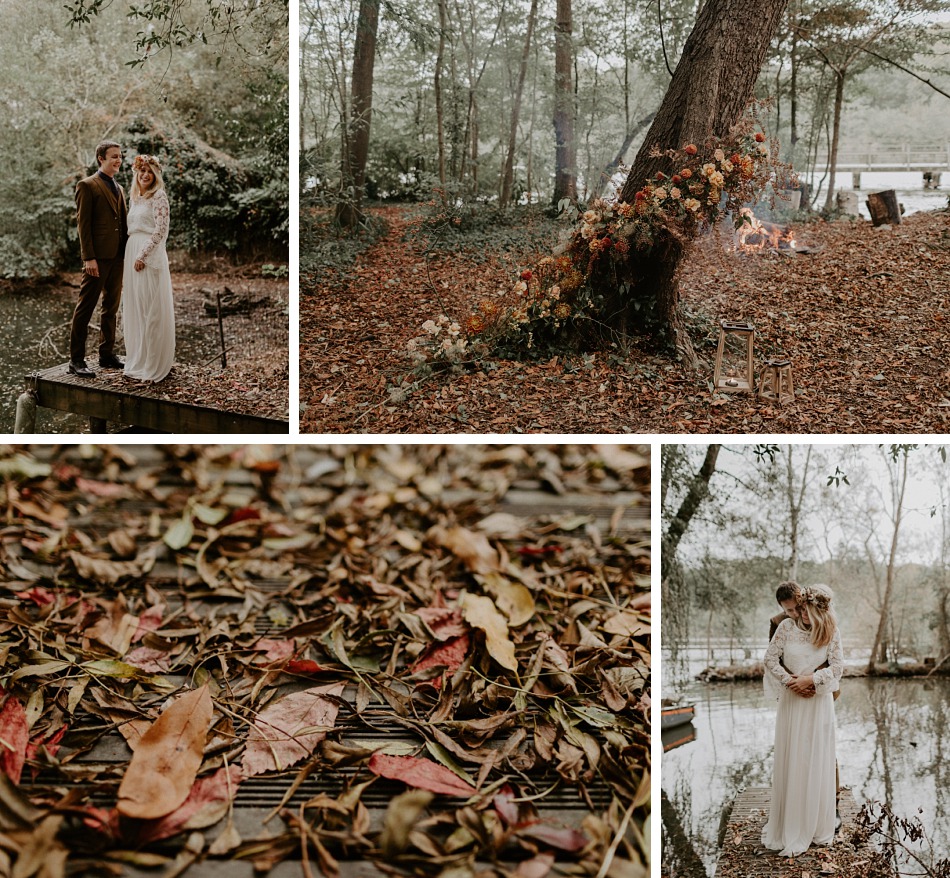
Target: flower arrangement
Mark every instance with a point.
(609, 237)
(441, 344)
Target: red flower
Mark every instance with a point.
(759, 137)
(686, 173)
(526, 274)
(640, 196)
(735, 159)
(677, 178)
(690, 149)
(660, 175)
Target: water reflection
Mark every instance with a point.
(892, 741)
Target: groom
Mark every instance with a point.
(103, 229)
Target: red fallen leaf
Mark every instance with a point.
(51, 743)
(303, 666)
(39, 595)
(274, 650)
(245, 513)
(449, 655)
(423, 774)
(14, 738)
(152, 661)
(66, 473)
(150, 620)
(207, 803)
(444, 623)
(101, 489)
(539, 551)
(102, 820)
(561, 838)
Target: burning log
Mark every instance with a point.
(756, 234)
(884, 208)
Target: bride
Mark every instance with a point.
(148, 314)
(803, 781)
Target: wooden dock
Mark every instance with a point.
(742, 854)
(139, 406)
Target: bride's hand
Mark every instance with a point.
(803, 685)
(139, 265)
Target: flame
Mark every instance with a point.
(754, 234)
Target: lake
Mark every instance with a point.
(907, 184)
(893, 746)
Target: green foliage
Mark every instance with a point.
(326, 250)
(218, 202)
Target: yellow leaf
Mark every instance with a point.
(481, 612)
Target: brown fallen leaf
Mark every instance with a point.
(288, 730)
(481, 612)
(14, 738)
(472, 548)
(167, 758)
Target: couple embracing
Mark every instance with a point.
(108, 230)
(803, 666)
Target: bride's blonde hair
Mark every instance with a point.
(142, 161)
(817, 600)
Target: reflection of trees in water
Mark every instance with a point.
(681, 844)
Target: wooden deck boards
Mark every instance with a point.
(142, 407)
(742, 854)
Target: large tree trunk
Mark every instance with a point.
(835, 134)
(697, 492)
(711, 87)
(356, 146)
(565, 159)
(509, 173)
(439, 108)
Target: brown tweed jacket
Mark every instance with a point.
(101, 219)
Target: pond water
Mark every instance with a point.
(907, 184)
(893, 746)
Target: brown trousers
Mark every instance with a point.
(109, 286)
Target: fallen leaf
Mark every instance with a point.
(288, 730)
(401, 815)
(207, 803)
(423, 774)
(471, 548)
(512, 598)
(481, 612)
(14, 738)
(167, 758)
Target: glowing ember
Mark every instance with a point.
(755, 234)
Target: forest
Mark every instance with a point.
(205, 93)
(449, 151)
(872, 522)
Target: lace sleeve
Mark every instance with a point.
(160, 212)
(776, 677)
(827, 679)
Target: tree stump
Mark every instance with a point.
(884, 208)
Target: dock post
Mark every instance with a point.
(855, 179)
(98, 425)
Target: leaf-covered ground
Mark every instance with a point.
(863, 317)
(410, 660)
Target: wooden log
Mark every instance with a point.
(884, 208)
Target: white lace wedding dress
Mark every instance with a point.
(148, 311)
(803, 780)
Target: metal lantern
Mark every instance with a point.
(734, 357)
(776, 382)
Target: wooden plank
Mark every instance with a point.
(56, 389)
(742, 854)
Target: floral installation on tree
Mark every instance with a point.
(562, 298)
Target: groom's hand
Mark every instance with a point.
(91, 267)
(803, 686)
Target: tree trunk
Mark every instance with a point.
(878, 650)
(835, 134)
(356, 149)
(796, 499)
(565, 160)
(439, 110)
(884, 207)
(508, 176)
(697, 492)
(710, 89)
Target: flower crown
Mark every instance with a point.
(819, 600)
(143, 161)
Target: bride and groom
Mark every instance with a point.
(803, 666)
(108, 230)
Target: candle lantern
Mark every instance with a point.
(776, 382)
(734, 357)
